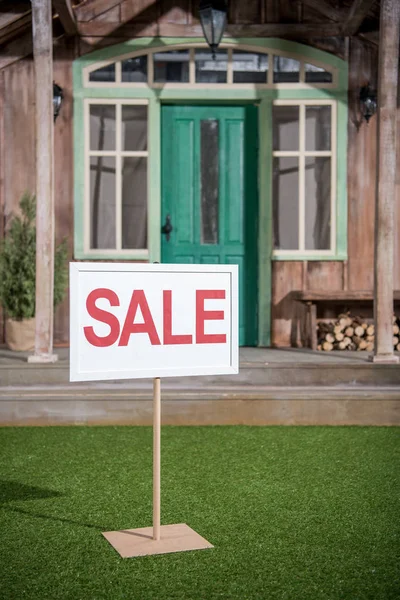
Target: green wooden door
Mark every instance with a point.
(209, 195)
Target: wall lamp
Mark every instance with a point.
(57, 99)
(368, 102)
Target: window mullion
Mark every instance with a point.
(302, 76)
(318, 153)
(106, 153)
(229, 74)
(302, 173)
(118, 178)
(118, 72)
(192, 68)
(150, 68)
(270, 72)
(286, 153)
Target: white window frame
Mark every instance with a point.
(118, 153)
(271, 52)
(302, 154)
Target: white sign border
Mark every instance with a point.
(75, 268)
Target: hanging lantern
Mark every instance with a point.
(213, 21)
(368, 101)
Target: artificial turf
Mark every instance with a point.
(294, 512)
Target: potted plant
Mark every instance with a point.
(18, 276)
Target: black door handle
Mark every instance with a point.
(167, 227)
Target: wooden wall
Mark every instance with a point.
(186, 11)
(358, 272)
(107, 22)
(64, 54)
(17, 174)
(17, 130)
(361, 171)
(17, 138)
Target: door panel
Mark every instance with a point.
(209, 191)
(184, 182)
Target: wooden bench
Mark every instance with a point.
(312, 298)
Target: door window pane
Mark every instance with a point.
(316, 74)
(209, 70)
(286, 70)
(102, 127)
(106, 73)
(134, 202)
(209, 132)
(102, 202)
(134, 127)
(249, 67)
(318, 128)
(318, 203)
(285, 125)
(286, 203)
(171, 66)
(134, 69)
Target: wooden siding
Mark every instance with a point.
(396, 275)
(361, 171)
(19, 152)
(19, 155)
(18, 138)
(185, 11)
(286, 277)
(287, 315)
(19, 134)
(63, 172)
(358, 272)
(2, 198)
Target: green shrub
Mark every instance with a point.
(18, 264)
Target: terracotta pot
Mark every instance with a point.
(20, 335)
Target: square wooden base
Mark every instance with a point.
(139, 542)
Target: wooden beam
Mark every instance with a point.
(289, 30)
(372, 37)
(66, 15)
(388, 69)
(43, 59)
(324, 9)
(12, 9)
(357, 13)
(15, 28)
(272, 11)
(15, 50)
(8, 20)
(93, 8)
(22, 46)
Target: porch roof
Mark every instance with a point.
(104, 22)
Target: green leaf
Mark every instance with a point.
(18, 264)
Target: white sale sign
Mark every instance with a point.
(131, 321)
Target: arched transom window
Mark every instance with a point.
(195, 66)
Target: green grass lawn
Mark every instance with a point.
(294, 512)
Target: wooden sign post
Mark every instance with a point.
(156, 458)
(131, 321)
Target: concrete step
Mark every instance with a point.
(345, 373)
(127, 404)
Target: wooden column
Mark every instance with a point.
(43, 61)
(386, 172)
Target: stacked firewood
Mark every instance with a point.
(352, 333)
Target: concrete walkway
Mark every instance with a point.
(258, 366)
(247, 355)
